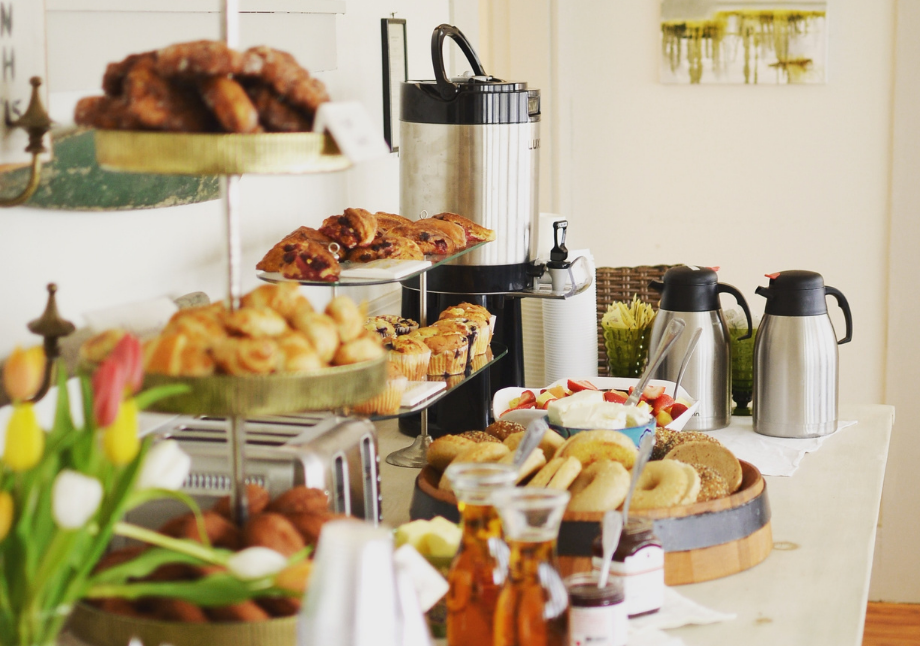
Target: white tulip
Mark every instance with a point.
(165, 467)
(256, 563)
(74, 499)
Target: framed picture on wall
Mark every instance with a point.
(395, 71)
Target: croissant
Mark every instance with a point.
(256, 322)
(361, 349)
(202, 325)
(284, 298)
(320, 330)
(297, 354)
(242, 356)
(177, 355)
(347, 317)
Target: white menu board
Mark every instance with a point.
(22, 56)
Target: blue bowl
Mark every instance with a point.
(635, 433)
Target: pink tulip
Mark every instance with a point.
(108, 389)
(128, 353)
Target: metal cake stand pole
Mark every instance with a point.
(230, 200)
(413, 456)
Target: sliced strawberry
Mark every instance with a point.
(545, 405)
(576, 385)
(530, 404)
(653, 392)
(527, 396)
(677, 410)
(615, 396)
(661, 402)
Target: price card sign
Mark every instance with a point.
(22, 56)
(350, 125)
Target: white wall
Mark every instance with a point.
(100, 260)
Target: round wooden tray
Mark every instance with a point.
(702, 541)
(325, 389)
(99, 628)
(174, 153)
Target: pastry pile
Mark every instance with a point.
(595, 466)
(275, 330)
(361, 236)
(204, 86)
(287, 524)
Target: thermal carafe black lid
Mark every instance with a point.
(795, 293)
(688, 289)
(468, 100)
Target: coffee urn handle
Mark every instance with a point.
(447, 89)
(845, 306)
(731, 289)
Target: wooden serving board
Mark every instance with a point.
(702, 541)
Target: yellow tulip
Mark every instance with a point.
(6, 513)
(23, 373)
(119, 439)
(25, 440)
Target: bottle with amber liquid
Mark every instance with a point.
(533, 601)
(481, 564)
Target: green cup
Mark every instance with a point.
(742, 371)
(627, 350)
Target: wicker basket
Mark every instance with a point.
(621, 284)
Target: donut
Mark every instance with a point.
(601, 486)
(712, 485)
(559, 473)
(534, 462)
(591, 446)
(662, 484)
(710, 455)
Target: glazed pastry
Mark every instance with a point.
(274, 258)
(297, 354)
(475, 233)
(347, 316)
(354, 228)
(274, 114)
(230, 104)
(411, 356)
(429, 240)
(321, 330)
(256, 322)
(386, 221)
(290, 82)
(241, 356)
(365, 348)
(197, 59)
(309, 260)
(284, 298)
(387, 246)
(96, 348)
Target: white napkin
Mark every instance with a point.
(676, 611)
(773, 456)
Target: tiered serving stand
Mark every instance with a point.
(230, 156)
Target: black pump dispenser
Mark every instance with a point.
(559, 254)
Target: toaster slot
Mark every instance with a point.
(341, 493)
(371, 482)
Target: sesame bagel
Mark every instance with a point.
(711, 455)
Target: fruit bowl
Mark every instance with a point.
(635, 433)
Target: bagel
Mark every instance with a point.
(445, 449)
(602, 486)
(559, 473)
(502, 428)
(666, 439)
(662, 484)
(591, 446)
(534, 462)
(693, 491)
(711, 455)
(549, 443)
(712, 485)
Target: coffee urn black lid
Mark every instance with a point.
(689, 289)
(467, 100)
(795, 293)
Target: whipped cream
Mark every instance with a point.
(587, 409)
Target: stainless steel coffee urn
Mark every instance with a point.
(692, 294)
(795, 357)
(470, 145)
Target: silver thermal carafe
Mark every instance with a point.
(692, 294)
(470, 145)
(795, 357)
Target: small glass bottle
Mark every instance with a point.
(597, 616)
(532, 605)
(479, 569)
(639, 563)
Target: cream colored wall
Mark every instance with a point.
(752, 179)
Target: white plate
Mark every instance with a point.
(504, 396)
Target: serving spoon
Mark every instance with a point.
(610, 539)
(674, 330)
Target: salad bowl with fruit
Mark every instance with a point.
(597, 403)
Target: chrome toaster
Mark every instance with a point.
(336, 454)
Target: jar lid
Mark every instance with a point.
(583, 590)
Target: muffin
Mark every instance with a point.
(387, 402)
(449, 352)
(475, 313)
(401, 325)
(476, 331)
(381, 326)
(411, 356)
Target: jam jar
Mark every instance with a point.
(639, 563)
(597, 616)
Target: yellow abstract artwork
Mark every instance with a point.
(775, 43)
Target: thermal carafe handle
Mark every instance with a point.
(845, 306)
(723, 288)
(446, 89)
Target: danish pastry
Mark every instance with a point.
(386, 221)
(355, 227)
(309, 260)
(430, 240)
(475, 233)
(387, 246)
(273, 260)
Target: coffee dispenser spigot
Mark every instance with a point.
(559, 264)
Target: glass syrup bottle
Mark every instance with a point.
(532, 604)
(481, 564)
